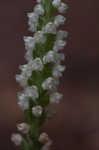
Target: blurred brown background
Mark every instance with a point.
(76, 123)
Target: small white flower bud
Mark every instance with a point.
(49, 84)
(39, 1)
(36, 64)
(37, 111)
(43, 138)
(53, 57)
(59, 57)
(33, 21)
(59, 20)
(59, 44)
(29, 43)
(56, 3)
(23, 127)
(61, 35)
(50, 28)
(39, 37)
(55, 97)
(17, 139)
(57, 71)
(62, 8)
(24, 105)
(29, 55)
(23, 101)
(33, 17)
(31, 92)
(26, 70)
(47, 145)
(22, 80)
(49, 57)
(39, 9)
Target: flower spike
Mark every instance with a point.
(41, 74)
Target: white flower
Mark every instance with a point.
(49, 57)
(47, 145)
(22, 79)
(39, 10)
(32, 65)
(17, 139)
(29, 43)
(59, 57)
(33, 21)
(55, 97)
(36, 64)
(49, 84)
(61, 35)
(57, 71)
(62, 8)
(33, 16)
(31, 92)
(24, 76)
(22, 96)
(53, 57)
(43, 138)
(37, 111)
(23, 127)
(39, 1)
(49, 28)
(56, 3)
(29, 56)
(39, 37)
(59, 44)
(23, 101)
(29, 46)
(59, 19)
(24, 105)
(26, 70)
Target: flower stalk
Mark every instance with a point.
(40, 75)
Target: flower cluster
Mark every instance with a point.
(40, 76)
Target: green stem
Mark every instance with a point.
(25, 145)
